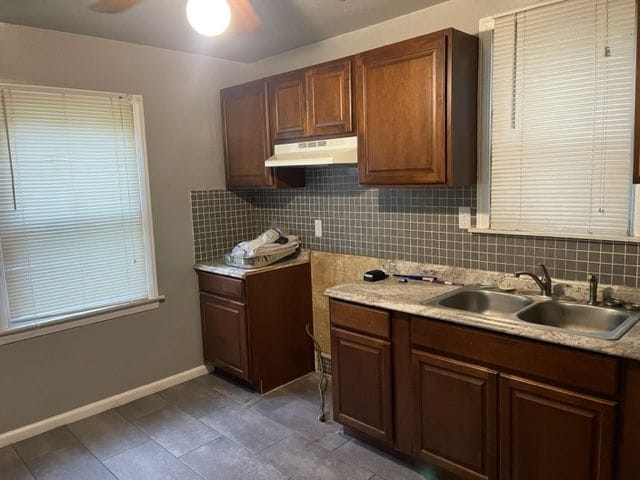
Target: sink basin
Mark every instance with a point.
(580, 319)
(485, 302)
(605, 323)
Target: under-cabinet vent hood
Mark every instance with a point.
(335, 151)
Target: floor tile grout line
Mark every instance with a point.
(330, 453)
(179, 458)
(211, 442)
(12, 446)
(122, 418)
(220, 435)
(23, 462)
(129, 448)
(382, 454)
(257, 455)
(291, 430)
(172, 405)
(89, 450)
(222, 393)
(269, 463)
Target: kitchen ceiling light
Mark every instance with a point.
(209, 17)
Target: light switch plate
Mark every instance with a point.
(464, 217)
(318, 228)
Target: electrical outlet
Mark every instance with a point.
(318, 228)
(464, 217)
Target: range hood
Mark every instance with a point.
(335, 151)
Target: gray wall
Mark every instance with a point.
(47, 375)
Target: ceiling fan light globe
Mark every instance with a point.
(209, 17)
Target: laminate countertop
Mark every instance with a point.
(218, 266)
(408, 297)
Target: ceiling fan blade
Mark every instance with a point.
(112, 6)
(243, 16)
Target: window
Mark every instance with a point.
(560, 122)
(75, 223)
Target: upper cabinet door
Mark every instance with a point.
(329, 99)
(287, 102)
(246, 135)
(401, 96)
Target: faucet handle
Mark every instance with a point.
(545, 272)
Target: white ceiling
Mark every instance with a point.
(286, 24)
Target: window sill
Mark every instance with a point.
(555, 235)
(67, 322)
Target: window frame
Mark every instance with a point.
(485, 73)
(24, 330)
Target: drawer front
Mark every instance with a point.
(221, 285)
(359, 318)
(560, 365)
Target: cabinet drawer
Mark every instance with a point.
(561, 365)
(221, 285)
(359, 318)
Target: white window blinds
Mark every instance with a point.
(562, 118)
(72, 206)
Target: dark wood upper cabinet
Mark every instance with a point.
(247, 141)
(553, 434)
(455, 407)
(416, 111)
(287, 105)
(246, 135)
(313, 102)
(362, 383)
(329, 99)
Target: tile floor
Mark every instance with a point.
(208, 428)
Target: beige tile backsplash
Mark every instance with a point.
(327, 270)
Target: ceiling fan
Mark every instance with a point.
(208, 17)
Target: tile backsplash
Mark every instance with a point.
(220, 220)
(416, 224)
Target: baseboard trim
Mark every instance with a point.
(70, 416)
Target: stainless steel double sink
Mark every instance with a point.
(592, 321)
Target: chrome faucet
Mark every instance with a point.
(543, 282)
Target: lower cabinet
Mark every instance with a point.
(478, 408)
(553, 434)
(361, 371)
(254, 331)
(224, 334)
(455, 407)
